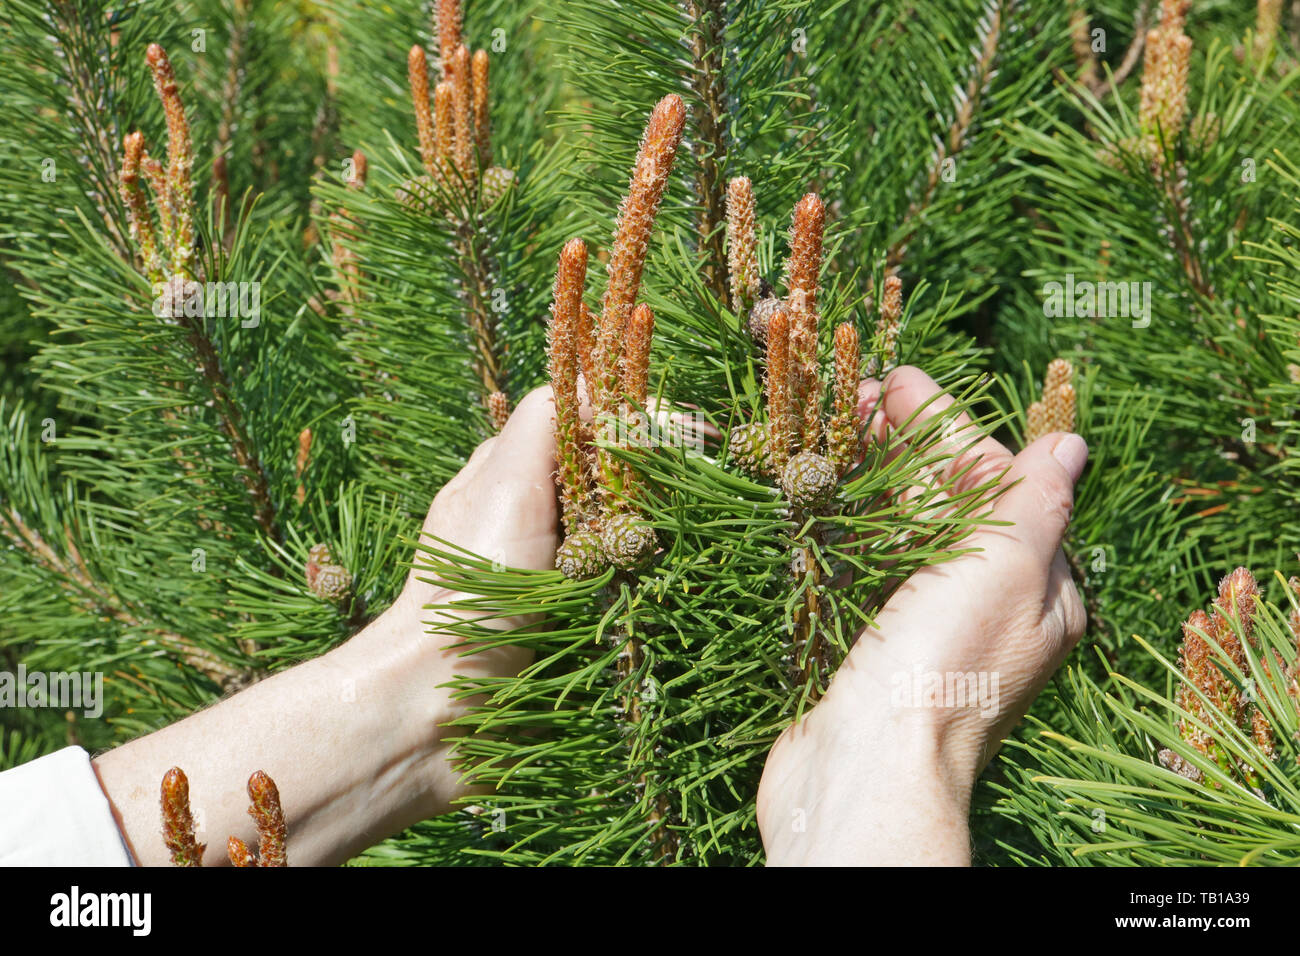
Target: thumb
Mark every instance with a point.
(1040, 501)
(526, 446)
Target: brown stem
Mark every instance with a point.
(710, 145)
(1131, 55)
(957, 131)
(663, 839)
(97, 600)
(477, 293)
(251, 473)
(811, 662)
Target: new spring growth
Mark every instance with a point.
(455, 133)
(888, 325)
(742, 245)
(612, 353)
(264, 808)
(166, 252)
(805, 455)
(300, 464)
(1055, 411)
(1162, 109)
(1211, 695)
(178, 823)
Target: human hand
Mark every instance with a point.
(501, 506)
(877, 771)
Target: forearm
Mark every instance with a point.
(350, 739)
(873, 787)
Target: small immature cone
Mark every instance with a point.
(240, 854)
(844, 434)
(178, 824)
(137, 210)
(780, 413)
(570, 455)
(268, 817)
(482, 111)
(180, 159)
(499, 409)
(449, 19)
(417, 72)
(463, 121)
(742, 245)
(636, 218)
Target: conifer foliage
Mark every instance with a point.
(277, 269)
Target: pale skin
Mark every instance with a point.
(354, 739)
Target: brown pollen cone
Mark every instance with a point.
(178, 823)
(268, 817)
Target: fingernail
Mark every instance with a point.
(1072, 452)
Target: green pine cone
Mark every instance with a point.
(760, 315)
(809, 479)
(496, 181)
(332, 583)
(628, 541)
(581, 556)
(748, 447)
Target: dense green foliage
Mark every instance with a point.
(157, 512)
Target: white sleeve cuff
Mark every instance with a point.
(53, 812)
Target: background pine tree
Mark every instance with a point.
(166, 485)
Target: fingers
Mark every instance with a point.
(1040, 502)
(870, 410)
(912, 398)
